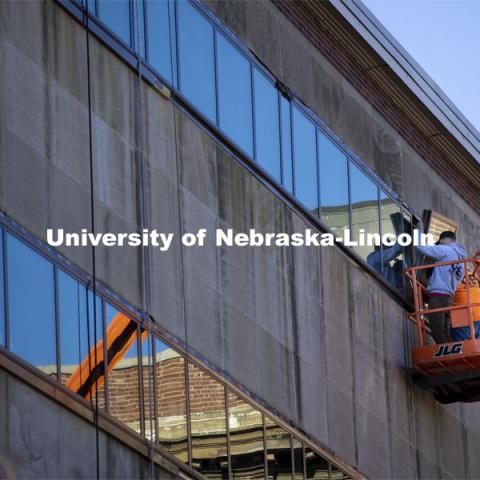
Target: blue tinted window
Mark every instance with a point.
(365, 216)
(92, 6)
(139, 20)
(285, 125)
(267, 132)
(305, 155)
(161, 37)
(31, 306)
(116, 14)
(78, 355)
(234, 94)
(197, 71)
(2, 295)
(333, 184)
(72, 307)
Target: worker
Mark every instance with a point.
(443, 282)
(381, 263)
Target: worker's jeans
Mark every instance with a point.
(440, 322)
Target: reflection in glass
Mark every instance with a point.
(197, 71)
(279, 452)
(337, 474)
(208, 424)
(2, 295)
(171, 409)
(333, 185)
(139, 27)
(305, 156)
(234, 94)
(122, 361)
(246, 439)
(391, 266)
(316, 466)
(286, 138)
(148, 387)
(31, 306)
(267, 132)
(161, 37)
(116, 15)
(80, 362)
(364, 197)
(298, 466)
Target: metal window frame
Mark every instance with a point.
(57, 322)
(141, 393)
(220, 32)
(141, 320)
(4, 274)
(181, 102)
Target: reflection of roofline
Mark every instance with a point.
(410, 73)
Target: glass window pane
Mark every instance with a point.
(31, 306)
(337, 474)
(297, 459)
(316, 466)
(116, 15)
(285, 125)
(122, 361)
(139, 27)
(305, 155)
(2, 294)
(92, 6)
(267, 132)
(171, 409)
(333, 185)
(364, 208)
(234, 94)
(389, 261)
(148, 388)
(279, 452)
(246, 439)
(208, 424)
(161, 37)
(77, 339)
(197, 71)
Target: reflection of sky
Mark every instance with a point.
(362, 188)
(158, 35)
(31, 304)
(2, 304)
(160, 346)
(234, 94)
(197, 78)
(117, 16)
(286, 144)
(75, 324)
(333, 174)
(267, 132)
(305, 154)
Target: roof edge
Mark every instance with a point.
(362, 20)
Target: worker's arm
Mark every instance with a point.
(437, 252)
(391, 253)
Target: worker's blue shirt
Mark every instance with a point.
(445, 279)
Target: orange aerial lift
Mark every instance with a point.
(450, 370)
(90, 374)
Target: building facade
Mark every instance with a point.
(205, 361)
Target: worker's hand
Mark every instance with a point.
(420, 225)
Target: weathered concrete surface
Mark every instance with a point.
(307, 330)
(297, 63)
(41, 439)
